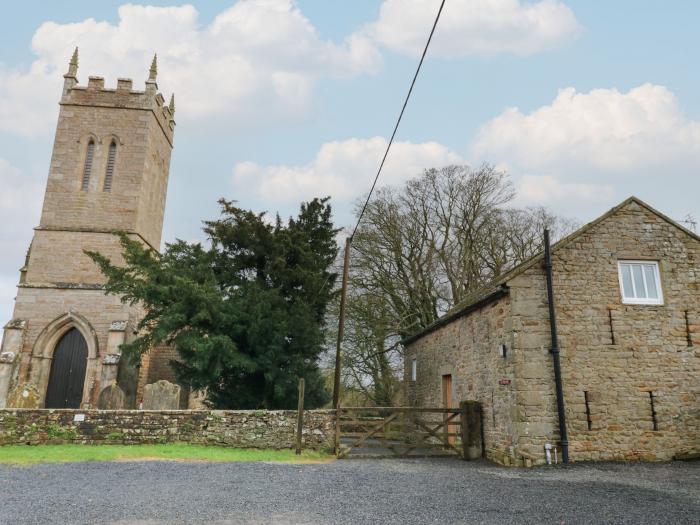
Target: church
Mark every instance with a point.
(109, 171)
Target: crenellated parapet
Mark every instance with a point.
(123, 96)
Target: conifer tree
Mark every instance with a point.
(246, 315)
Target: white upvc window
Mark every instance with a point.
(414, 369)
(640, 282)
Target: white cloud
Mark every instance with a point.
(20, 205)
(598, 146)
(602, 129)
(545, 189)
(474, 27)
(344, 169)
(20, 198)
(257, 61)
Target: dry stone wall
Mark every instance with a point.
(233, 428)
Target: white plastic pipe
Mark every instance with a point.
(548, 453)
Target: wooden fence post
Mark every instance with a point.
(337, 430)
(471, 429)
(300, 414)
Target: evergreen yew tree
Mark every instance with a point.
(246, 315)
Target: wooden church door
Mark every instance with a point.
(67, 376)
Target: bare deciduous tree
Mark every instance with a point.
(421, 250)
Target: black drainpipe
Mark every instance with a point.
(554, 350)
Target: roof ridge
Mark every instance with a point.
(564, 241)
(665, 217)
(500, 280)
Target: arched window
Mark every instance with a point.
(88, 165)
(110, 166)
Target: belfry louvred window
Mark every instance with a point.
(87, 169)
(109, 174)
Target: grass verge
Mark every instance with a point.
(32, 454)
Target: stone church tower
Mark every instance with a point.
(109, 171)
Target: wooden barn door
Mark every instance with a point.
(67, 376)
(447, 403)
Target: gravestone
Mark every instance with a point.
(23, 396)
(197, 400)
(161, 395)
(111, 398)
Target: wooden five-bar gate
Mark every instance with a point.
(402, 432)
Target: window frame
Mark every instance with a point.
(414, 369)
(657, 281)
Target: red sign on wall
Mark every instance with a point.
(504, 381)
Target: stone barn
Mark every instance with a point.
(109, 171)
(626, 297)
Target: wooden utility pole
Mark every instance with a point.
(300, 415)
(341, 322)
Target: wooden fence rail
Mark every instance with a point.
(399, 432)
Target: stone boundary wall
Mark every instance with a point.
(232, 428)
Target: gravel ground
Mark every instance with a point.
(349, 491)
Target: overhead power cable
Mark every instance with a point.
(398, 121)
(348, 241)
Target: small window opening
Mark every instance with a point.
(653, 411)
(414, 369)
(640, 282)
(109, 174)
(588, 410)
(688, 337)
(87, 169)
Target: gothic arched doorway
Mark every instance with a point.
(67, 376)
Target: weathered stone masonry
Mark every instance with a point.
(60, 288)
(615, 357)
(233, 428)
(475, 377)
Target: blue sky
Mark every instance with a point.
(583, 103)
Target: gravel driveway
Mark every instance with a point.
(349, 491)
